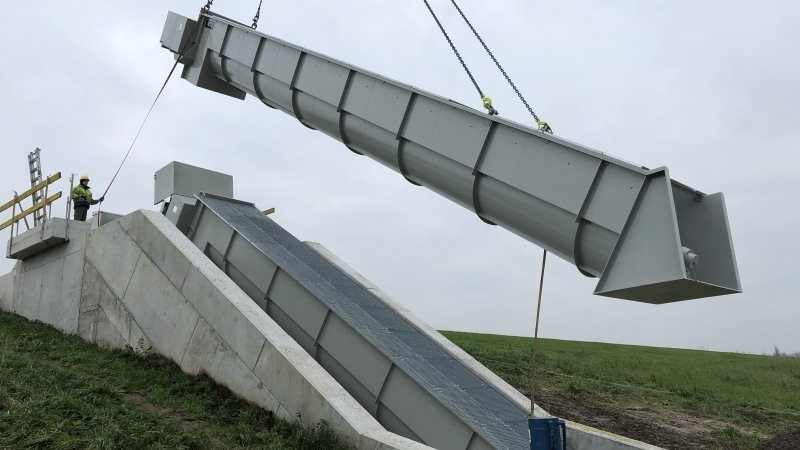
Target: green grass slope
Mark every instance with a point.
(60, 392)
(726, 400)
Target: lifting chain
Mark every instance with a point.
(207, 8)
(256, 17)
(487, 102)
(543, 126)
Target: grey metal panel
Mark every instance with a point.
(650, 252)
(214, 255)
(212, 231)
(291, 327)
(322, 79)
(381, 103)
(372, 140)
(241, 46)
(355, 336)
(352, 351)
(259, 270)
(614, 197)
(703, 225)
(247, 285)
(394, 424)
(362, 395)
(278, 61)
(418, 410)
(298, 303)
(324, 116)
(276, 91)
(546, 225)
(444, 146)
(456, 133)
(187, 180)
(559, 177)
(177, 32)
(438, 173)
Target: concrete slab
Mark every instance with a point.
(93, 288)
(137, 340)
(244, 338)
(27, 303)
(157, 247)
(50, 306)
(7, 291)
(114, 254)
(53, 233)
(106, 334)
(117, 316)
(38, 239)
(71, 281)
(161, 311)
(87, 324)
(208, 353)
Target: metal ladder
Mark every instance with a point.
(35, 166)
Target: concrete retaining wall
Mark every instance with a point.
(138, 282)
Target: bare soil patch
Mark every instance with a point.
(149, 407)
(667, 429)
(789, 440)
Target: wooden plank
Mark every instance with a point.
(33, 208)
(51, 179)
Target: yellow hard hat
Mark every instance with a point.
(85, 177)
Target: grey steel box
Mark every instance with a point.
(177, 32)
(187, 180)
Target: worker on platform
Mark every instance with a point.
(82, 198)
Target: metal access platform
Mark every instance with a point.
(645, 236)
(409, 382)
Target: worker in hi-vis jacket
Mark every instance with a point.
(82, 198)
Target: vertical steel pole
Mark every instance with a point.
(43, 217)
(13, 213)
(69, 202)
(69, 196)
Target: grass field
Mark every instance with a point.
(735, 400)
(60, 392)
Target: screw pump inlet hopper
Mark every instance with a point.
(648, 238)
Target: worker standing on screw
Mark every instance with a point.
(82, 198)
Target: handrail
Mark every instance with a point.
(30, 210)
(50, 180)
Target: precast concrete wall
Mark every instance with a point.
(47, 285)
(7, 290)
(138, 282)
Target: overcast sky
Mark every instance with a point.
(709, 89)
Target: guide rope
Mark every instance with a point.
(141, 126)
(487, 102)
(543, 126)
(536, 330)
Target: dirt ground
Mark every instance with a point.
(665, 429)
(789, 440)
